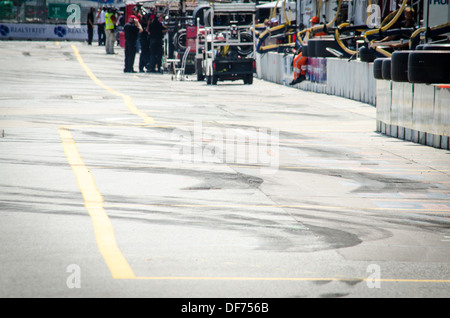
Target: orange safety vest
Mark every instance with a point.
(300, 64)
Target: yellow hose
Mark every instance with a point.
(368, 16)
(288, 22)
(339, 42)
(384, 52)
(382, 28)
(276, 28)
(414, 34)
(274, 46)
(336, 15)
(274, 10)
(380, 50)
(420, 30)
(387, 26)
(321, 27)
(388, 18)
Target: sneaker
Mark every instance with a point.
(299, 79)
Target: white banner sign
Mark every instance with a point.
(27, 31)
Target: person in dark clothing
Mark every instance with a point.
(144, 58)
(101, 26)
(132, 30)
(90, 25)
(156, 31)
(408, 21)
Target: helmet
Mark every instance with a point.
(314, 19)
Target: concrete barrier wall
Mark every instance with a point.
(350, 79)
(414, 112)
(275, 67)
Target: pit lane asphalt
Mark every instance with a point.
(112, 185)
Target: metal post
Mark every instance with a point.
(427, 24)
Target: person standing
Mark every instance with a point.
(136, 12)
(131, 30)
(144, 57)
(101, 26)
(155, 31)
(110, 27)
(90, 25)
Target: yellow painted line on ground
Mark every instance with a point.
(104, 232)
(126, 99)
(103, 229)
(106, 241)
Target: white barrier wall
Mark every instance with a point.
(350, 79)
(414, 112)
(275, 67)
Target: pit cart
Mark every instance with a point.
(226, 45)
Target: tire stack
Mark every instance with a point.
(428, 64)
(317, 47)
(406, 108)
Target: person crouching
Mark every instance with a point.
(132, 30)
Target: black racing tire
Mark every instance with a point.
(366, 55)
(429, 67)
(305, 50)
(311, 48)
(246, 49)
(399, 66)
(386, 69)
(377, 68)
(320, 46)
(434, 47)
(179, 40)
